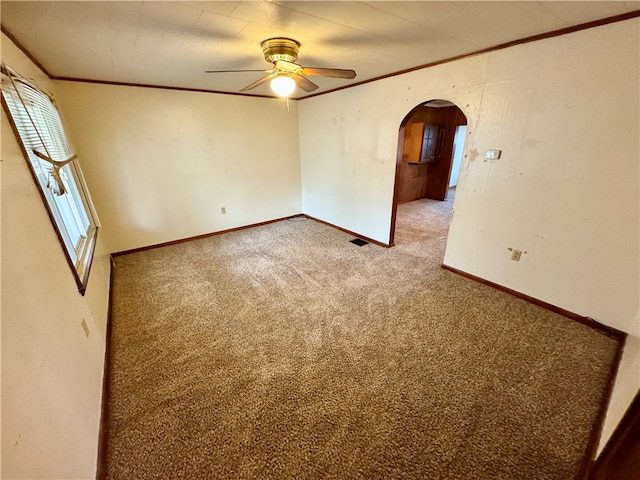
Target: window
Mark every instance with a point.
(36, 122)
(432, 142)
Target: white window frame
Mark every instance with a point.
(37, 124)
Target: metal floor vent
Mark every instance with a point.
(358, 241)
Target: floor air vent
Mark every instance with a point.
(358, 241)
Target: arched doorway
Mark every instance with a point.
(430, 141)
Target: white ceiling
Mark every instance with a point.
(172, 43)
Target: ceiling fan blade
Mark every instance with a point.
(258, 82)
(232, 71)
(289, 68)
(328, 72)
(304, 83)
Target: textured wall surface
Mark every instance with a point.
(163, 163)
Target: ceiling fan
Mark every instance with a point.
(286, 74)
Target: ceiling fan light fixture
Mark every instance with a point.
(283, 85)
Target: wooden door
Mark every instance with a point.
(620, 459)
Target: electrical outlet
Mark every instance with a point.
(85, 327)
(223, 210)
(515, 255)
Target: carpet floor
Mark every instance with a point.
(286, 352)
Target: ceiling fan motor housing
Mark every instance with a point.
(280, 48)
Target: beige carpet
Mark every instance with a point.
(286, 352)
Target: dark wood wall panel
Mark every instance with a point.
(427, 180)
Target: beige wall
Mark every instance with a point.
(51, 372)
(564, 112)
(162, 163)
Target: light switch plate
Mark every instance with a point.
(493, 154)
